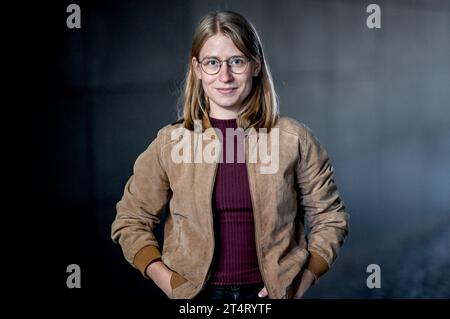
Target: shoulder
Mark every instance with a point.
(288, 125)
(165, 132)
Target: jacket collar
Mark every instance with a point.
(206, 123)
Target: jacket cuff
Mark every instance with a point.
(317, 265)
(145, 257)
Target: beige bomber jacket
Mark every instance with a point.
(302, 188)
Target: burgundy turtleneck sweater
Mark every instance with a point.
(235, 261)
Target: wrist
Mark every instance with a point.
(312, 276)
(153, 267)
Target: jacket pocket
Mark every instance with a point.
(296, 266)
(176, 280)
(184, 288)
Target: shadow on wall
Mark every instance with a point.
(377, 99)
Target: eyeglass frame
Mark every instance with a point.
(221, 63)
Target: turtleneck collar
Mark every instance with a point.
(223, 123)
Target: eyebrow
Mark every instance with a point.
(215, 57)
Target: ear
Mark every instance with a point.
(196, 68)
(256, 68)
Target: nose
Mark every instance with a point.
(224, 74)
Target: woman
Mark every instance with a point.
(234, 230)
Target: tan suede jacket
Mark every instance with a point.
(301, 189)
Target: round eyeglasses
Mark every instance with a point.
(236, 64)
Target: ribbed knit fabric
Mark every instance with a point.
(235, 261)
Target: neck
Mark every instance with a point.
(222, 113)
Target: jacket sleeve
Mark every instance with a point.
(138, 212)
(324, 209)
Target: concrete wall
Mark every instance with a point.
(378, 99)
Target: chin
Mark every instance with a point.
(226, 103)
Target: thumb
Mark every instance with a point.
(263, 293)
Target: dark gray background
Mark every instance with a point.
(378, 99)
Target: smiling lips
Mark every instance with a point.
(226, 91)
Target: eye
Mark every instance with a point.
(237, 61)
(211, 62)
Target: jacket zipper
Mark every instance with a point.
(257, 237)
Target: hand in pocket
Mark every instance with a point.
(306, 281)
(160, 274)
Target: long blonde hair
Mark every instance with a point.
(260, 108)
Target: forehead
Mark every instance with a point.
(220, 46)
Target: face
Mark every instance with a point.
(226, 90)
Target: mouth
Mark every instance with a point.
(226, 91)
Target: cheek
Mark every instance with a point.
(205, 87)
(207, 83)
(247, 85)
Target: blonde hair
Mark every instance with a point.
(260, 108)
